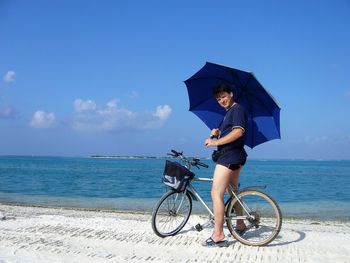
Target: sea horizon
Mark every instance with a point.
(166, 157)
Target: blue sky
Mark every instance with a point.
(106, 77)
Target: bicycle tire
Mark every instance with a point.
(171, 213)
(263, 222)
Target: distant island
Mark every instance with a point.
(126, 156)
(136, 157)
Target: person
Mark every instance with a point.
(229, 138)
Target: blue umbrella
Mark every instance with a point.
(263, 110)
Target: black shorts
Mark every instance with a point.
(235, 166)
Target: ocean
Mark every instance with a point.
(302, 188)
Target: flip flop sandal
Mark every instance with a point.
(211, 243)
(241, 231)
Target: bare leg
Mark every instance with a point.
(234, 180)
(222, 177)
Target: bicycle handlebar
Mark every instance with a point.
(194, 162)
(175, 153)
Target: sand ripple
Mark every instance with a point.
(62, 235)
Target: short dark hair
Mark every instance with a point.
(221, 88)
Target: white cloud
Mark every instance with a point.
(81, 106)
(163, 112)
(41, 119)
(113, 118)
(9, 76)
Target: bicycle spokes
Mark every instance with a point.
(258, 213)
(171, 214)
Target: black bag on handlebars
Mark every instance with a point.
(176, 176)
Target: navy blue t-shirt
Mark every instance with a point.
(236, 117)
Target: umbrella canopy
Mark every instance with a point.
(263, 111)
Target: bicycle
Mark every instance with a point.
(260, 213)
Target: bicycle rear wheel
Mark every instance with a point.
(261, 215)
(171, 213)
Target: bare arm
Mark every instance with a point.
(232, 136)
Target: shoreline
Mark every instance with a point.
(147, 208)
(78, 209)
(43, 234)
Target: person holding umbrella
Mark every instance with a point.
(251, 118)
(229, 138)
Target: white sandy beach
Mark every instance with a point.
(34, 234)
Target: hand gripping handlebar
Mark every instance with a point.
(195, 161)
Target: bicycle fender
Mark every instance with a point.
(255, 187)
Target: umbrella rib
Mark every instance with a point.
(238, 80)
(267, 93)
(251, 94)
(213, 77)
(246, 91)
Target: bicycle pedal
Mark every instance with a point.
(198, 227)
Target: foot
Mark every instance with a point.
(240, 227)
(240, 231)
(217, 237)
(211, 243)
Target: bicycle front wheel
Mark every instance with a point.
(171, 213)
(261, 215)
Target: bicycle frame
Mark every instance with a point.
(196, 196)
(194, 192)
(233, 191)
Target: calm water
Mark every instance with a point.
(316, 189)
